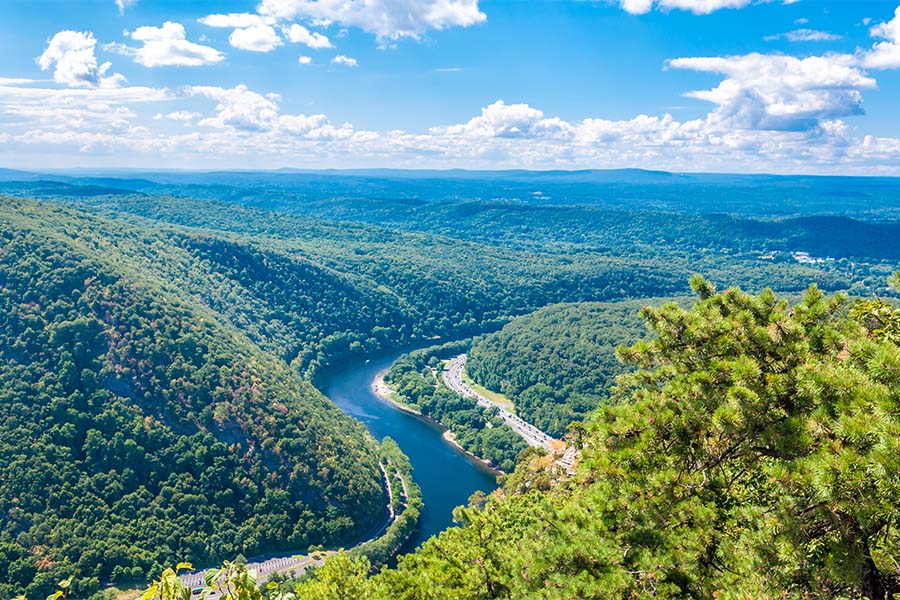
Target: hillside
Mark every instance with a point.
(559, 363)
(752, 453)
(137, 423)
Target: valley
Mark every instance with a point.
(232, 340)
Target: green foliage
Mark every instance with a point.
(558, 363)
(416, 378)
(230, 582)
(753, 452)
(342, 577)
(152, 404)
(407, 506)
(137, 424)
(879, 317)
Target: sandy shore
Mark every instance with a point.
(383, 391)
(451, 439)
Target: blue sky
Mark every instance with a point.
(808, 86)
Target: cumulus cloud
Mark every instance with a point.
(386, 19)
(499, 120)
(804, 35)
(178, 115)
(698, 7)
(298, 34)
(520, 135)
(245, 111)
(234, 20)
(251, 31)
(347, 61)
(239, 107)
(886, 54)
(71, 53)
(778, 92)
(166, 46)
(305, 60)
(243, 127)
(258, 38)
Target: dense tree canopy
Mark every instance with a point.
(153, 402)
(559, 363)
(135, 425)
(415, 379)
(754, 452)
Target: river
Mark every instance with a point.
(446, 476)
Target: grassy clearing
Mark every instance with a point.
(496, 398)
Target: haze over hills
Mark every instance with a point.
(629, 189)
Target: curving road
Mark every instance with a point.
(265, 568)
(531, 434)
(565, 456)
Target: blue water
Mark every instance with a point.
(446, 476)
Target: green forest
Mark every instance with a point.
(415, 379)
(137, 424)
(559, 363)
(752, 451)
(158, 353)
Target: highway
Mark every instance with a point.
(531, 434)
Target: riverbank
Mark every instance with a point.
(381, 389)
(451, 439)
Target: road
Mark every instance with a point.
(264, 568)
(532, 435)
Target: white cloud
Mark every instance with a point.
(886, 55)
(249, 113)
(778, 92)
(298, 34)
(73, 110)
(698, 7)
(499, 120)
(239, 107)
(387, 19)
(305, 60)
(251, 31)
(166, 46)
(804, 35)
(234, 20)
(125, 4)
(347, 61)
(247, 129)
(15, 81)
(178, 115)
(258, 38)
(72, 54)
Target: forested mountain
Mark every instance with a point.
(559, 363)
(137, 423)
(629, 189)
(753, 453)
(157, 352)
(650, 231)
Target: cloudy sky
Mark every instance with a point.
(786, 86)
